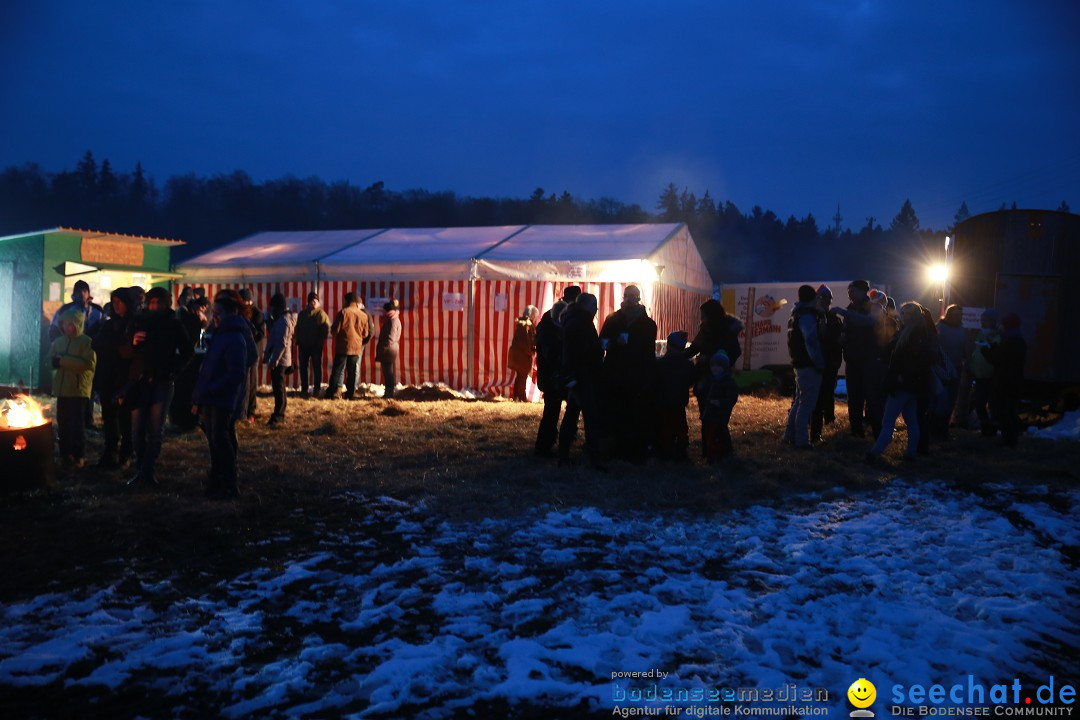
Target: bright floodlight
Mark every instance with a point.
(937, 273)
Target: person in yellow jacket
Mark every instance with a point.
(73, 361)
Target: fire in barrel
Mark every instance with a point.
(26, 444)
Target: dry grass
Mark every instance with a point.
(462, 459)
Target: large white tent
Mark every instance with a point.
(461, 288)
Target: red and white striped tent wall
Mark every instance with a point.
(460, 289)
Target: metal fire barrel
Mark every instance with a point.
(26, 457)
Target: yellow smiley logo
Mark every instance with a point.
(862, 693)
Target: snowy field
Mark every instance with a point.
(408, 615)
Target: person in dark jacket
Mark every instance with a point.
(278, 353)
(312, 329)
(628, 338)
(114, 353)
(865, 372)
(906, 379)
(220, 395)
(718, 331)
(935, 393)
(386, 352)
(675, 376)
(1008, 357)
(581, 364)
(805, 327)
(833, 352)
(549, 350)
(162, 349)
(257, 321)
(193, 316)
(953, 338)
(93, 315)
(720, 393)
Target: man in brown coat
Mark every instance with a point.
(351, 331)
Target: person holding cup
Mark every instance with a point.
(628, 338)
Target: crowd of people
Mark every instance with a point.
(628, 399)
(899, 362)
(196, 365)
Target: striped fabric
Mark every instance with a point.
(434, 345)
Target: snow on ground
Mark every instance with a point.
(415, 616)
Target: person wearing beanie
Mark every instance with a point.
(721, 394)
(865, 371)
(93, 315)
(312, 329)
(832, 351)
(522, 351)
(675, 376)
(1008, 357)
(162, 351)
(982, 370)
(549, 350)
(388, 348)
(114, 353)
(628, 337)
(805, 328)
(278, 353)
(581, 367)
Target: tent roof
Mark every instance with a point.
(414, 245)
(507, 243)
(511, 251)
(280, 248)
(99, 235)
(582, 243)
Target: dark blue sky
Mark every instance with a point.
(795, 106)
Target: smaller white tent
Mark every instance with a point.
(461, 288)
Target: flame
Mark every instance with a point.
(20, 443)
(21, 411)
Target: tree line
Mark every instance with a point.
(206, 212)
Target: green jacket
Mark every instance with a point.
(75, 376)
(312, 328)
(980, 366)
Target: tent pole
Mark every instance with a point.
(470, 332)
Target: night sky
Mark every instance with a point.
(794, 106)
